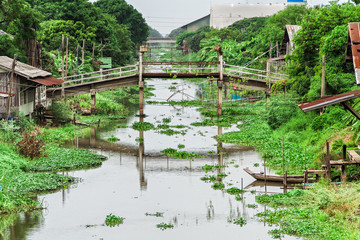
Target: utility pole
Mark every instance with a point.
(10, 88)
(77, 59)
(143, 49)
(62, 67)
(93, 51)
(83, 53)
(322, 82)
(67, 56)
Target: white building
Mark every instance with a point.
(223, 15)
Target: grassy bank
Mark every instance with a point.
(23, 178)
(322, 212)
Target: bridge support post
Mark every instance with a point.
(220, 82)
(220, 97)
(143, 49)
(93, 100)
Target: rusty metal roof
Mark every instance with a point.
(48, 81)
(22, 69)
(5, 94)
(309, 106)
(354, 35)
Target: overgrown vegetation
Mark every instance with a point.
(322, 212)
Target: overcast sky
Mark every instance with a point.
(166, 15)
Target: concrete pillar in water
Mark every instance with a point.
(93, 100)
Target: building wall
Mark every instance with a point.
(223, 15)
(198, 24)
(24, 98)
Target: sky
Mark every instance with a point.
(166, 15)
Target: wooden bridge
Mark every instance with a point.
(132, 75)
(129, 76)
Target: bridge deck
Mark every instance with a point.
(129, 76)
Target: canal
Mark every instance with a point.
(137, 181)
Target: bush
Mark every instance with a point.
(61, 111)
(332, 116)
(30, 145)
(280, 112)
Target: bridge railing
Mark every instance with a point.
(101, 75)
(251, 73)
(182, 67)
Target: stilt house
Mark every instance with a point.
(27, 80)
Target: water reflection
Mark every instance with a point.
(143, 182)
(220, 153)
(121, 186)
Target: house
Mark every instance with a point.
(26, 86)
(287, 45)
(277, 63)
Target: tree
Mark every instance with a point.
(18, 19)
(52, 31)
(176, 32)
(324, 32)
(127, 15)
(155, 33)
(81, 20)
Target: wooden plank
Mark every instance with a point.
(353, 156)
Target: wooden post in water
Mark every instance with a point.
(265, 175)
(327, 161)
(220, 82)
(93, 100)
(143, 49)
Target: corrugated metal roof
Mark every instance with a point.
(309, 106)
(223, 15)
(354, 34)
(5, 94)
(22, 69)
(48, 81)
(5, 33)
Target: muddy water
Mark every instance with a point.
(137, 181)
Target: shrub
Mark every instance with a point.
(61, 111)
(30, 145)
(280, 112)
